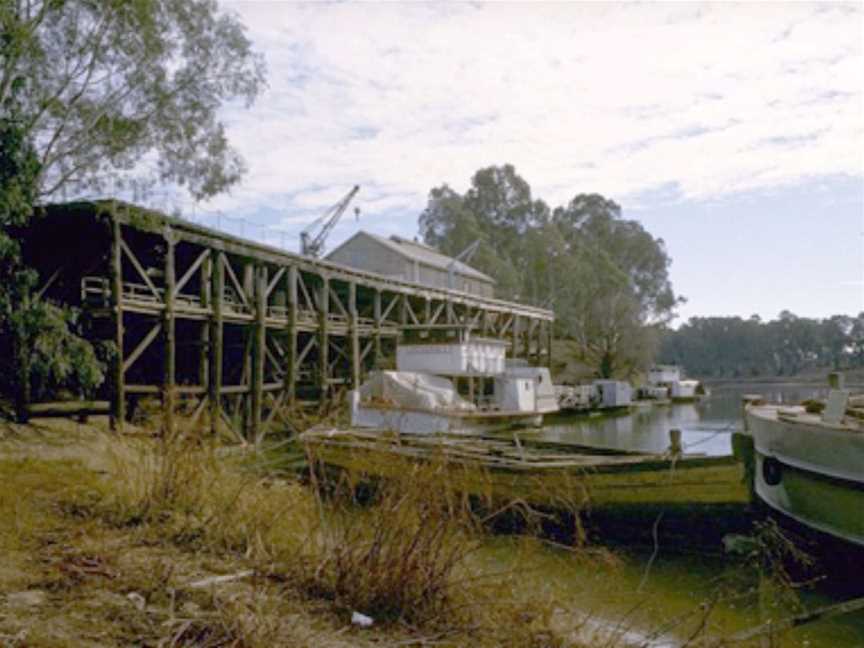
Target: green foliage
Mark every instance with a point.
(39, 337)
(102, 86)
(605, 276)
(733, 347)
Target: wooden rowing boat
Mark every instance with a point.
(542, 472)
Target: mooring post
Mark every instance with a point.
(324, 338)
(353, 331)
(259, 341)
(290, 379)
(118, 386)
(168, 323)
(216, 342)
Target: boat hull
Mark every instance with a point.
(572, 481)
(810, 472)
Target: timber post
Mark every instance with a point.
(259, 342)
(216, 343)
(245, 399)
(168, 326)
(324, 338)
(550, 336)
(354, 333)
(205, 293)
(376, 305)
(290, 379)
(118, 386)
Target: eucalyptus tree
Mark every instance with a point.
(606, 277)
(98, 94)
(135, 86)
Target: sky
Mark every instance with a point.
(734, 132)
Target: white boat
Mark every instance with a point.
(810, 467)
(421, 397)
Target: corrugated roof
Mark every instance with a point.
(424, 254)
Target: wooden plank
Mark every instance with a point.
(62, 409)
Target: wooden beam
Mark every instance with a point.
(142, 346)
(137, 265)
(354, 332)
(275, 280)
(437, 313)
(334, 299)
(259, 345)
(216, 344)
(310, 302)
(191, 271)
(291, 360)
(387, 310)
(324, 335)
(48, 283)
(376, 336)
(306, 349)
(206, 302)
(170, 353)
(118, 392)
(241, 291)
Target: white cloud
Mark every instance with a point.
(620, 99)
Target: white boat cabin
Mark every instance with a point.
(614, 393)
(664, 374)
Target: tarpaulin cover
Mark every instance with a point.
(412, 390)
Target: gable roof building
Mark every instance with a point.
(411, 261)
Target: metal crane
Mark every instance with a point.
(464, 256)
(313, 246)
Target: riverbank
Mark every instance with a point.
(114, 540)
(126, 540)
(814, 378)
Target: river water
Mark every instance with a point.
(645, 588)
(706, 426)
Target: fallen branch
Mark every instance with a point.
(826, 612)
(218, 580)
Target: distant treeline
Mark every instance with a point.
(732, 347)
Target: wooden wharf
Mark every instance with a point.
(233, 331)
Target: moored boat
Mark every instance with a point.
(810, 466)
(422, 395)
(542, 472)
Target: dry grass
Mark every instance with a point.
(110, 557)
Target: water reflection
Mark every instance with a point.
(706, 426)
